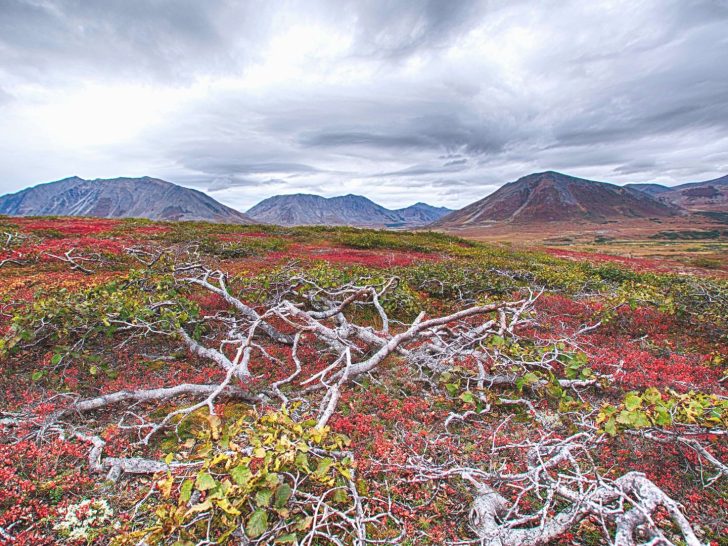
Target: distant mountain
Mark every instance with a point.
(421, 214)
(710, 195)
(652, 189)
(346, 210)
(556, 197)
(119, 198)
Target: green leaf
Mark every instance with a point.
(263, 497)
(640, 420)
(204, 481)
(290, 538)
(272, 479)
(528, 379)
(340, 496)
(610, 427)
(652, 395)
(257, 524)
(303, 523)
(468, 397)
(241, 474)
(185, 491)
(56, 359)
(625, 418)
(632, 401)
(37, 375)
(302, 462)
(324, 465)
(283, 493)
(662, 417)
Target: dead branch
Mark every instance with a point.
(76, 260)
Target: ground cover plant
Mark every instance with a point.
(190, 383)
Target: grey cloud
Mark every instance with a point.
(633, 167)
(228, 182)
(454, 97)
(122, 38)
(181, 39)
(435, 132)
(357, 138)
(272, 168)
(414, 170)
(447, 183)
(398, 28)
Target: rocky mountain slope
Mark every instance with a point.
(556, 197)
(351, 210)
(710, 195)
(119, 198)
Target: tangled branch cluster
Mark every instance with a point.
(350, 329)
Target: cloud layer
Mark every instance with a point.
(401, 101)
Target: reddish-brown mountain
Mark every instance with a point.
(556, 197)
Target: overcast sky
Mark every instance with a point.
(402, 101)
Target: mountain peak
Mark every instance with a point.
(547, 173)
(553, 197)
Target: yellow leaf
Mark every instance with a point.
(214, 421)
(227, 507)
(165, 486)
(200, 507)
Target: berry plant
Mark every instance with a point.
(191, 383)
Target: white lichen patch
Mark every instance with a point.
(80, 521)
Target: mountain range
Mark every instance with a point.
(119, 198)
(710, 195)
(346, 210)
(537, 199)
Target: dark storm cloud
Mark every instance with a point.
(390, 97)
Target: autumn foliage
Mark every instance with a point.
(630, 354)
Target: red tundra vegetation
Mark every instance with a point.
(190, 383)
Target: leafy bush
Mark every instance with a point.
(652, 408)
(264, 476)
(100, 311)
